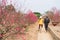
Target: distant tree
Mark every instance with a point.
(50, 14)
(31, 17)
(56, 16)
(37, 14)
(10, 8)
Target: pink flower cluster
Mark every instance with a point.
(8, 18)
(31, 17)
(56, 16)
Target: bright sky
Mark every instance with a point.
(36, 5)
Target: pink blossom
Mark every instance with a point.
(0, 35)
(23, 37)
(18, 28)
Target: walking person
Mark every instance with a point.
(40, 21)
(46, 22)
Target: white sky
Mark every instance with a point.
(36, 5)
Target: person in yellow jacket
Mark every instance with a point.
(40, 22)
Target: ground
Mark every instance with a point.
(44, 36)
(34, 34)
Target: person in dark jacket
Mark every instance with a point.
(46, 22)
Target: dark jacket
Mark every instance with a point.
(46, 20)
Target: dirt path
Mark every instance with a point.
(44, 36)
(34, 34)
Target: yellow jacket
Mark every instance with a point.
(40, 21)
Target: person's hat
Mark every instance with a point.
(40, 16)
